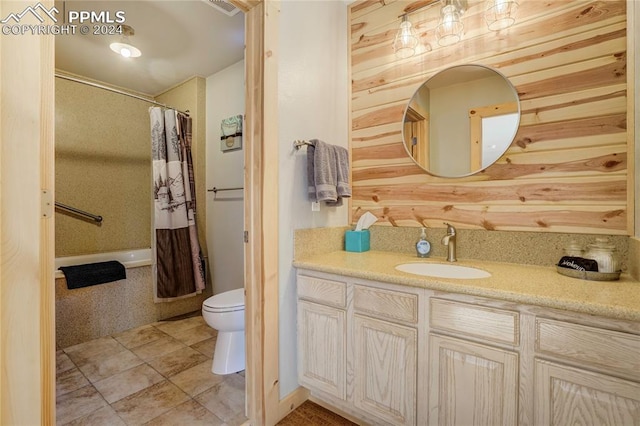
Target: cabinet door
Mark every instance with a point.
(570, 396)
(471, 384)
(321, 348)
(385, 370)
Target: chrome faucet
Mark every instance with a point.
(449, 240)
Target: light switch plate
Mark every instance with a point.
(315, 206)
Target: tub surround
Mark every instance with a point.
(89, 313)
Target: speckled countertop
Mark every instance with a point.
(533, 285)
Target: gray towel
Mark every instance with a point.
(311, 180)
(342, 159)
(323, 173)
(327, 173)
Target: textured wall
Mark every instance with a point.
(567, 168)
(103, 166)
(312, 103)
(225, 211)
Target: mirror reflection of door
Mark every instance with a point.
(487, 125)
(416, 130)
(461, 120)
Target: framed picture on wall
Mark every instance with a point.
(231, 133)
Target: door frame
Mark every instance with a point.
(27, 302)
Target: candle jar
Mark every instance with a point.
(573, 249)
(604, 253)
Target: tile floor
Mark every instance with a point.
(157, 374)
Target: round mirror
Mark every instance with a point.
(461, 120)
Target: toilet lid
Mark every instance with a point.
(226, 300)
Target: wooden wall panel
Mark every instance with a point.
(566, 170)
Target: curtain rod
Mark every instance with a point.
(111, 89)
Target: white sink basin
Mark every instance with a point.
(443, 270)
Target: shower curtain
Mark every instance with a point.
(178, 268)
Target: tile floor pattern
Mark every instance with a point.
(157, 374)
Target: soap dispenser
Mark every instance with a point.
(423, 247)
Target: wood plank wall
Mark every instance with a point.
(566, 170)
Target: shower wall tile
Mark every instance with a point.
(103, 166)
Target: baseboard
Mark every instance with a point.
(292, 401)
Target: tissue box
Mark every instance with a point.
(357, 241)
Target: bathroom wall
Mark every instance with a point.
(566, 171)
(225, 210)
(312, 103)
(103, 166)
(120, 161)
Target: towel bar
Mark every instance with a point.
(298, 143)
(215, 190)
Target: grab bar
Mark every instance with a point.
(96, 218)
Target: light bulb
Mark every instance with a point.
(500, 14)
(449, 31)
(406, 40)
(125, 50)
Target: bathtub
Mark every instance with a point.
(130, 259)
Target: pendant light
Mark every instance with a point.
(450, 27)
(500, 14)
(406, 40)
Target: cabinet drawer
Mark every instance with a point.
(612, 350)
(323, 291)
(497, 325)
(394, 305)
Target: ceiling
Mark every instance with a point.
(179, 39)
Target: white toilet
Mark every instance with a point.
(225, 313)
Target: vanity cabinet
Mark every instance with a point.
(322, 333)
(470, 382)
(358, 346)
(390, 354)
(586, 374)
(385, 347)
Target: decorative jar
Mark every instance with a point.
(604, 253)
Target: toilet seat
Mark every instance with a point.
(229, 301)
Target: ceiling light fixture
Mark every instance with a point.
(406, 40)
(450, 27)
(500, 14)
(124, 47)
